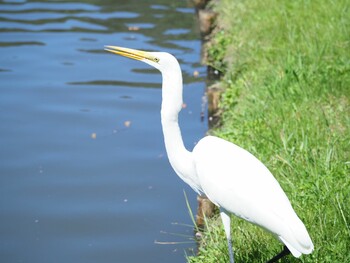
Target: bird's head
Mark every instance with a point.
(162, 61)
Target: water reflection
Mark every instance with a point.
(84, 176)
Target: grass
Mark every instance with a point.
(286, 68)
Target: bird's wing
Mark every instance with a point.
(238, 182)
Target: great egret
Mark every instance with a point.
(231, 177)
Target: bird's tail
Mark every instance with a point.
(297, 239)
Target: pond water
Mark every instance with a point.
(84, 175)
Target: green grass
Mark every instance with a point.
(286, 71)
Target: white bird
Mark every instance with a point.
(231, 177)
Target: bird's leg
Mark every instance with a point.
(230, 251)
(284, 252)
(227, 226)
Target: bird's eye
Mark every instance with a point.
(156, 60)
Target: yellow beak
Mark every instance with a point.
(131, 53)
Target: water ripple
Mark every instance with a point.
(48, 6)
(115, 83)
(35, 16)
(69, 24)
(21, 43)
(61, 17)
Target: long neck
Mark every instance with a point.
(179, 157)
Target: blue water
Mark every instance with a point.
(84, 175)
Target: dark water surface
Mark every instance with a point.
(84, 175)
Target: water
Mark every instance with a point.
(84, 175)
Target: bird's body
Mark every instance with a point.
(231, 177)
(249, 191)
